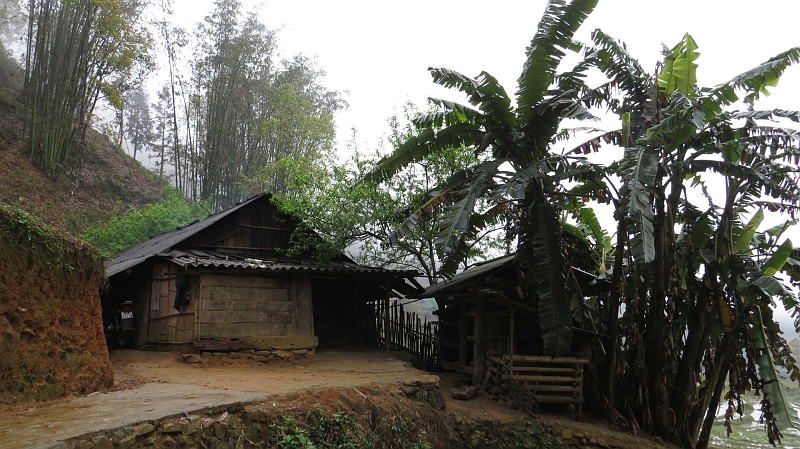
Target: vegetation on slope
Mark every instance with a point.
(109, 180)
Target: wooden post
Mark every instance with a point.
(386, 332)
(479, 351)
(511, 344)
(462, 334)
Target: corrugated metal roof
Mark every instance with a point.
(141, 252)
(467, 275)
(201, 258)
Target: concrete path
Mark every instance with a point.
(42, 427)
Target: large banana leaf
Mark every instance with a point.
(680, 70)
(425, 143)
(484, 92)
(743, 172)
(624, 71)
(558, 25)
(778, 259)
(746, 236)
(756, 80)
(456, 218)
(636, 201)
(450, 114)
(555, 317)
(477, 222)
(435, 199)
(773, 392)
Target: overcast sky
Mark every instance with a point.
(379, 51)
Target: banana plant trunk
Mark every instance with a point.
(541, 271)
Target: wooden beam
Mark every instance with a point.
(511, 343)
(248, 248)
(267, 228)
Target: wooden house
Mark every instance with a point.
(226, 278)
(484, 326)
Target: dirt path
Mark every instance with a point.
(340, 368)
(149, 385)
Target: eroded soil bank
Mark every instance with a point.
(51, 330)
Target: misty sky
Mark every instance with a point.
(378, 51)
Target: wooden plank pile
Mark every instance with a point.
(552, 380)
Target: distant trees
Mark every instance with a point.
(233, 109)
(164, 137)
(138, 122)
(77, 52)
(240, 109)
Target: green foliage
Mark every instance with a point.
(247, 109)
(133, 226)
(96, 45)
(339, 212)
(339, 430)
(697, 280)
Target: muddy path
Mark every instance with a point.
(150, 385)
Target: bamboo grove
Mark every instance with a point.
(77, 52)
(239, 108)
(694, 272)
(230, 105)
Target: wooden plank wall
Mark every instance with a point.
(165, 323)
(250, 306)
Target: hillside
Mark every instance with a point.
(109, 179)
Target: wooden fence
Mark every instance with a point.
(408, 332)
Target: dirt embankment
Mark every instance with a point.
(336, 398)
(51, 332)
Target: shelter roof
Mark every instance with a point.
(475, 272)
(589, 283)
(164, 246)
(163, 242)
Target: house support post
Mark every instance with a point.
(511, 343)
(387, 334)
(479, 356)
(462, 334)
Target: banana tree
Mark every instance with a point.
(520, 172)
(695, 284)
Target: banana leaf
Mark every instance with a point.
(773, 391)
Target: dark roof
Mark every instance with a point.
(589, 283)
(471, 273)
(143, 251)
(205, 258)
(162, 246)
